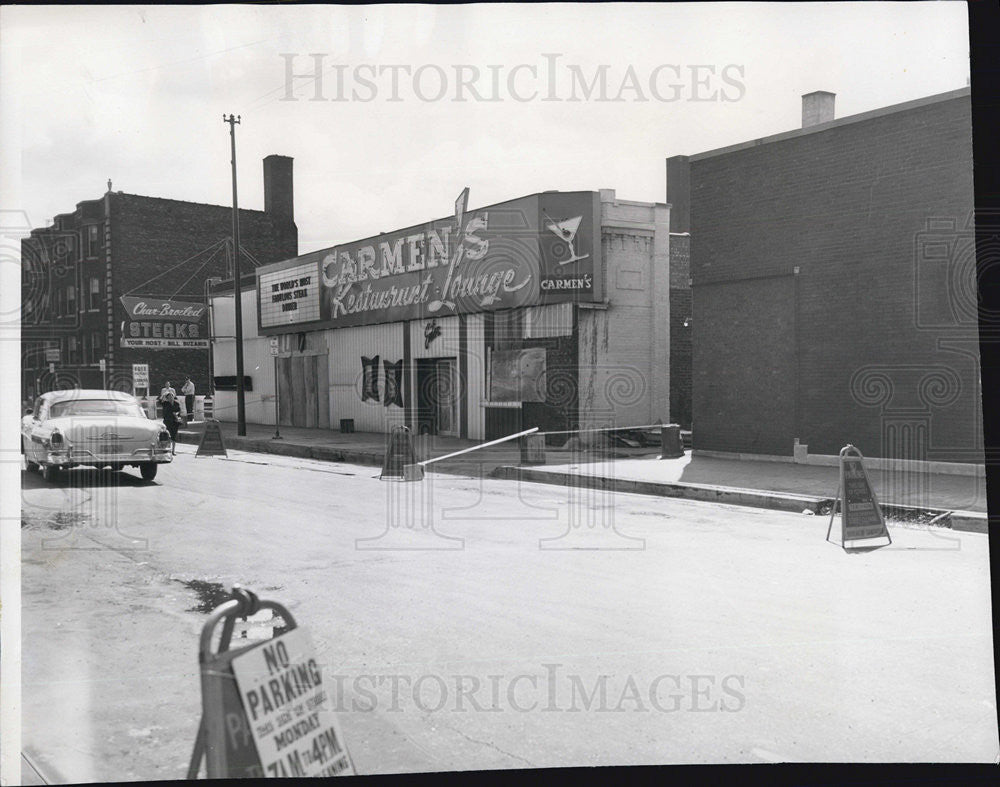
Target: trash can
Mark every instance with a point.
(208, 408)
(346, 425)
(670, 441)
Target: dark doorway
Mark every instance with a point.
(437, 396)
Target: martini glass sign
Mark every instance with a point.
(566, 230)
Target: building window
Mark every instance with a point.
(72, 350)
(508, 327)
(93, 239)
(95, 346)
(70, 299)
(86, 348)
(95, 294)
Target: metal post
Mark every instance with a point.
(277, 434)
(241, 420)
(211, 334)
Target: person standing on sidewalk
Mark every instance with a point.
(188, 390)
(172, 418)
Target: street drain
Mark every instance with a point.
(61, 520)
(210, 594)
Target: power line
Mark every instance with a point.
(178, 265)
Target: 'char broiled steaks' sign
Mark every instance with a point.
(281, 685)
(534, 250)
(159, 324)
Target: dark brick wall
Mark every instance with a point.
(52, 259)
(150, 239)
(744, 367)
(151, 236)
(886, 333)
(680, 261)
(680, 358)
(680, 334)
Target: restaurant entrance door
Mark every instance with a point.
(437, 396)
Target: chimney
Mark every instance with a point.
(817, 108)
(679, 193)
(278, 187)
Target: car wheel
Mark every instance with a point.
(148, 470)
(50, 473)
(31, 467)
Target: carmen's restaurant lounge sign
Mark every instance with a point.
(159, 324)
(538, 249)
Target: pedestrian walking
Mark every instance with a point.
(188, 390)
(172, 418)
(167, 389)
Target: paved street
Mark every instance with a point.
(686, 632)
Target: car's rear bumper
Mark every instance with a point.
(82, 456)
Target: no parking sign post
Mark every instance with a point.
(261, 704)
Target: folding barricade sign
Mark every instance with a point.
(261, 704)
(399, 455)
(861, 519)
(212, 443)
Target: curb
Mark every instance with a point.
(965, 521)
(779, 501)
(33, 772)
(297, 450)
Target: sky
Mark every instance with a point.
(136, 94)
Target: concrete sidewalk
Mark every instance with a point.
(779, 485)
(369, 447)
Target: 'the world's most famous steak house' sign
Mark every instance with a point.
(534, 250)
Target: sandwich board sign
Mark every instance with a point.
(281, 686)
(399, 453)
(211, 441)
(861, 520)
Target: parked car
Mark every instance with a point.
(92, 428)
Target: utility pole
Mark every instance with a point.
(241, 417)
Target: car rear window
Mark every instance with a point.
(94, 407)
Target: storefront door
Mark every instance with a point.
(437, 396)
(302, 391)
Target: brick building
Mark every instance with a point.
(75, 272)
(680, 328)
(834, 286)
(551, 311)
